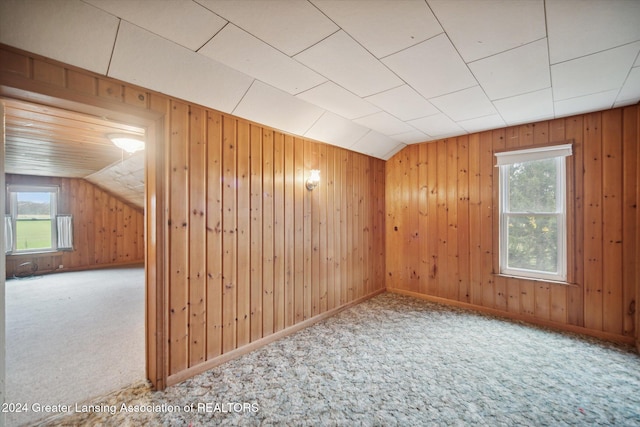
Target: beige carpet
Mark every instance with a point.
(398, 361)
(73, 336)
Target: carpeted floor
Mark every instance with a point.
(397, 361)
(73, 336)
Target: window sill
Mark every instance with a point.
(536, 279)
(44, 253)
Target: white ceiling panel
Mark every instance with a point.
(438, 126)
(147, 60)
(480, 124)
(517, 71)
(529, 107)
(482, 28)
(582, 104)
(630, 93)
(377, 145)
(384, 123)
(383, 27)
(332, 97)
(432, 67)
(412, 137)
(288, 25)
(336, 130)
(345, 62)
(594, 73)
(465, 104)
(70, 31)
(266, 104)
(240, 50)
(186, 23)
(582, 27)
(404, 103)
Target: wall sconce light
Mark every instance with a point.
(128, 143)
(313, 180)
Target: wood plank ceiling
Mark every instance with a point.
(47, 141)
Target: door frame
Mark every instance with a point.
(26, 88)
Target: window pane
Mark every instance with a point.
(33, 221)
(533, 243)
(532, 186)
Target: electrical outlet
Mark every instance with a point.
(60, 266)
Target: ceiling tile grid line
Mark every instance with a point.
(407, 71)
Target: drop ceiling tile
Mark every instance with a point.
(404, 103)
(383, 27)
(71, 32)
(411, 137)
(465, 104)
(384, 123)
(480, 124)
(529, 107)
(186, 23)
(332, 97)
(594, 73)
(345, 62)
(377, 145)
(584, 104)
(630, 92)
(438, 126)
(242, 51)
(578, 28)
(273, 107)
(479, 29)
(432, 68)
(336, 130)
(147, 60)
(517, 71)
(288, 25)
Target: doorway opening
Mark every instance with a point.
(69, 332)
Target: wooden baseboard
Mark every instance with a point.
(209, 364)
(607, 336)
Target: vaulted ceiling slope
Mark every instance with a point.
(370, 76)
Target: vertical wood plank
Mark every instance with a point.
(464, 288)
(299, 256)
(179, 235)
(322, 240)
(243, 233)
(279, 275)
(256, 232)
(441, 271)
(268, 232)
(289, 229)
(214, 234)
(432, 221)
(486, 217)
(612, 208)
(630, 137)
(229, 237)
(423, 186)
(593, 221)
(197, 237)
(475, 261)
(331, 227)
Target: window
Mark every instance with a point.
(33, 218)
(533, 212)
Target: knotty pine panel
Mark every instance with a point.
(100, 221)
(457, 223)
(275, 254)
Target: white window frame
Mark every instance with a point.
(504, 161)
(13, 203)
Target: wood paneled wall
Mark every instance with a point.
(253, 252)
(107, 231)
(244, 253)
(442, 232)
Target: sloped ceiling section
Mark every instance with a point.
(371, 76)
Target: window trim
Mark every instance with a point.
(503, 161)
(13, 189)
